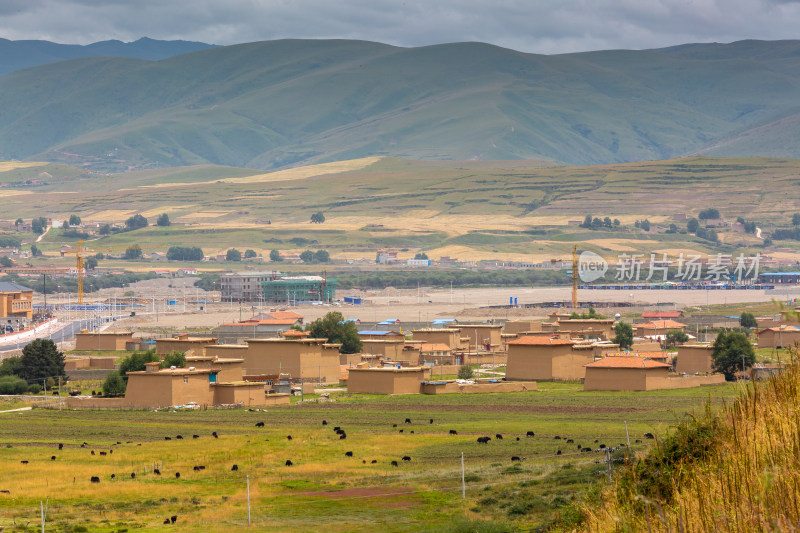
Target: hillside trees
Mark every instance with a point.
(317, 218)
(163, 220)
(185, 253)
(233, 255)
(133, 252)
(796, 219)
(691, 225)
(275, 256)
(74, 220)
(248, 254)
(135, 222)
(38, 225)
(708, 214)
(320, 256)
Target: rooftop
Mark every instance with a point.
(175, 371)
(434, 347)
(8, 286)
(782, 327)
(530, 340)
(626, 362)
(662, 314)
(661, 324)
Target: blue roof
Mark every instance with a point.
(374, 332)
(443, 320)
(389, 321)
(780, 273)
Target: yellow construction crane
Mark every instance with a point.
(79, 265)
(575, 277)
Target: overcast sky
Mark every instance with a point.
(539, 26)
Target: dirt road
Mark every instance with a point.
(408, 305)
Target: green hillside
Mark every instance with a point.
(284, 103)
(515, 210)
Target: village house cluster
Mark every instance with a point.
(260, 361)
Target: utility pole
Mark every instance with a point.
(248, 500)
(463, 485)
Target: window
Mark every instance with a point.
(186, 379)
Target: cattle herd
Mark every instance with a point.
(340, 432)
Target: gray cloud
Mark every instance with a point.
(539, 26)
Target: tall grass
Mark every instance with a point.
(735, 470)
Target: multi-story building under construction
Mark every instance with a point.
(299, 289)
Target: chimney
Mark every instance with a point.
(151, 367)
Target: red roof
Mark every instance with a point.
(278, 321)
(662, 314)
(626, 362)
(295, 333)
(285, 314)
(530, 340)
(661, 324)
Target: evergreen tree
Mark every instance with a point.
(41, 360)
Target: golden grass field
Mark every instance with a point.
(745, 477)
(323, 490)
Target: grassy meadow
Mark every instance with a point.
(324, 489)
(471, 210)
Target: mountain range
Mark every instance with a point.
(283, 103)
(18, 55)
